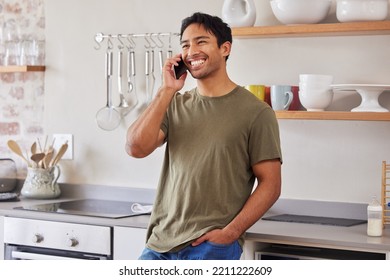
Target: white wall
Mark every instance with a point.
(323, 160)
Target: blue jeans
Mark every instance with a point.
(204, 251)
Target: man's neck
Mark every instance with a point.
(213, 87)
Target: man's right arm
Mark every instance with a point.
(145, 135)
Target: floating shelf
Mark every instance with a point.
(312, 30)
(334, 115)
(22, 68)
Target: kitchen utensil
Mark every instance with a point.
(131, 88)
(361, 10)
(36, 158)
(48, 157)
(59, 155)
(16, 149)
(108, 118)
(34, 148)
(123, 105)
(8, 179)
(295, 12)
(147, 75)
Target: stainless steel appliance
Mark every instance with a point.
(47, 240)
(89, 207)
(42, 239)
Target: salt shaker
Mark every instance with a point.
(374, 215)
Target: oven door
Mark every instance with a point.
(46, 240)
(20, 252)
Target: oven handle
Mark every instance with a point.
(34, 256)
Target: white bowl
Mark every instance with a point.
(361, 10)
(315, 100)
(316, 78)
(300, 11)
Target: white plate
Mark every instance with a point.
(369, 94)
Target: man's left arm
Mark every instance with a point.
(268, 174)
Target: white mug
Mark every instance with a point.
(281, 97)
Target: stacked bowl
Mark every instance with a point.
(300, 11)
(315, 92)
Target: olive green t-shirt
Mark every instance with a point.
(211, 145)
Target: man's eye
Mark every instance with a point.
(184, 46)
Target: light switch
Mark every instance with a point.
(61, 139)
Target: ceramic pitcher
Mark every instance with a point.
(42, 183)
(239, 13)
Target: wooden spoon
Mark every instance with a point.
(34, 148)
(37, 158)
(59, 155)
(16, 149)
(47, 159)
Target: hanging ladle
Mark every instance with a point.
(108, 118)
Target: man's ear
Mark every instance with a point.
(226, 48)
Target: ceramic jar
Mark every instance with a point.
(42, 183)
(239, 13)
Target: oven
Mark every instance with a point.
(43, 239)
(29, 239)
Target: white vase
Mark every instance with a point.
(239, 13)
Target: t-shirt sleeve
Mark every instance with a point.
(264, 138)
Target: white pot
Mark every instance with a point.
(361, 10)
(239, 13)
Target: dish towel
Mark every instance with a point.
(139, 208)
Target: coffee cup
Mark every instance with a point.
(281, 97)
(257, 90)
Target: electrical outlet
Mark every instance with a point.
(61, 139)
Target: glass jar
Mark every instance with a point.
(374, 218)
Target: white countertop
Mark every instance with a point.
(353, 237)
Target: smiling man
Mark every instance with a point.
(220, 140)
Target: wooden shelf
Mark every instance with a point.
(312, 30)
(334, 115)
(22, 68)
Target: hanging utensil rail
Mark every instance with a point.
(99, 37)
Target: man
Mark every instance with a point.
(220, 138)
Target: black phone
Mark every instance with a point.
(180, 69)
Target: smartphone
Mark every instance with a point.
(180, 69)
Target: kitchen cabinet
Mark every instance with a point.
(302, 251)
(129, 242)
(22, 68)
(315, 30)
(1, 238)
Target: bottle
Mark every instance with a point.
(374, 215)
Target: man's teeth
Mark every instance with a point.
(197, 62)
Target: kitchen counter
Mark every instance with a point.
(270, 232)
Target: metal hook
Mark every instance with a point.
(110, 45)
(161, 45)
(131, 41)
(153, 41)
(99, 37)
(149, 45)
(121, 45)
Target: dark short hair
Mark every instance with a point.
(212, 24)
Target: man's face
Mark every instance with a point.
(201, 53)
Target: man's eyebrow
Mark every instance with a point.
(196, 38)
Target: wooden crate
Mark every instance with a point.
(385, 193)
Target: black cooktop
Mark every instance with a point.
(88, 207)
